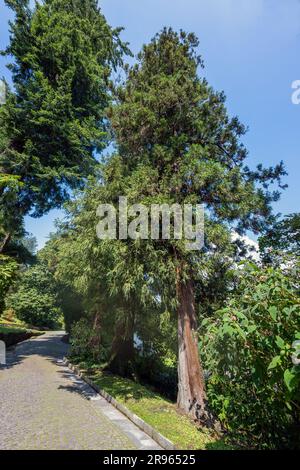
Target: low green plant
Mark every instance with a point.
(85, 342)
(253, 385)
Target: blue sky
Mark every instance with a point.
(251, 51)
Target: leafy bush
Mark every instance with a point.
(35, 299)
(86, 342)
(158, 372)
(253, 386)
(156, 352)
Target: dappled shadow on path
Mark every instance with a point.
(77, 385)
(80, 389)
(49, 346)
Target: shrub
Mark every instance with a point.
(156, 352)
(8, 270)
(35, 299)
(159, 372)
(85, 342)
(253, 384)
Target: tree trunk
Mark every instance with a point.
(122, 349)
(5, 242)
(95, 339)
(191, 397)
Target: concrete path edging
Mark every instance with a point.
(139, 422)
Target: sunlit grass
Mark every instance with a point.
(13, 329)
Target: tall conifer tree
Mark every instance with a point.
(53, 121)
(178, 145)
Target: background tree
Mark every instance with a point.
(108, 275)
(8, 272)
(281, 239)
(53, 122)
(35, 299)
(178, 145)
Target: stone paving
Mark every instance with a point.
(44, 406)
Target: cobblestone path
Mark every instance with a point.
(44, 406)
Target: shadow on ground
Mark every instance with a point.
(50, 346)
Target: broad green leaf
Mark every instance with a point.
(289, 376)
(275, 362)
(280, 343)
(227, 329)
(273, 312)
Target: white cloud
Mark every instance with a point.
(252, 246)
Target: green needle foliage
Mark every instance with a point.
(247, 347)
(177, 144)
(53, 121)
(173, 129)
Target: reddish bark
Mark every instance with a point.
(191, 397)
(5, 242)
(95, 340)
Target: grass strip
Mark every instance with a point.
(154, 409)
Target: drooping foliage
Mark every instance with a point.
(133, 306)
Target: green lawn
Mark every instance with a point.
(154, 410)
(15, 329)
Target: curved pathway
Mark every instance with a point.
(43, 405)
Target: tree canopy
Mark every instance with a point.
(53, 122)
(281, 239)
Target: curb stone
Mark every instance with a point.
(139, 422)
